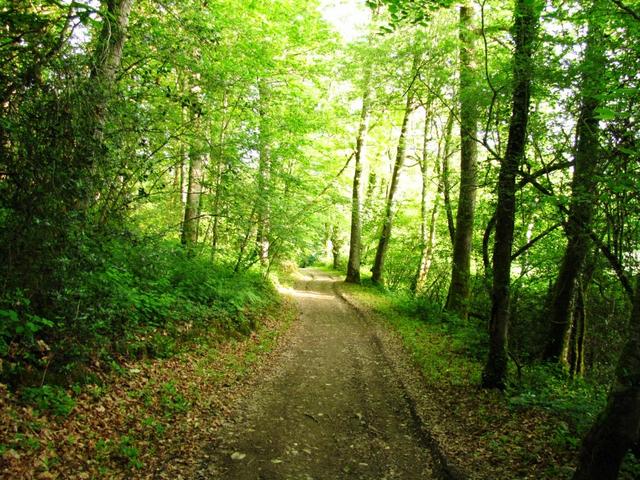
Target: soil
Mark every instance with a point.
(332, 407)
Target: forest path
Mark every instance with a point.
(332, 408)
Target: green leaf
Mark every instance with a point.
(604, 113)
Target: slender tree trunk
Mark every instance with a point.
(389, 212)
(327, 240)
(190, 223)
(353, 265)
(578, 334)
(217, 200)
(249, 232)
(617, 428)
(184, 174)
(526, 16)
(428, 231)
(459, 289)
(264, 181)
(583, 188)
(336, 246)
(446, 193)
(218, 182)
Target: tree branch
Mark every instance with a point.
(628, 10)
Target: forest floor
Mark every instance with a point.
(334, 407)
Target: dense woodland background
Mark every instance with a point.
(160, 159)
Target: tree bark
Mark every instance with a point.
(389, 212)
(583, 190)
(91, 155)
(578, 334)
(459, 288)
(190, 223)
(617, 429)
(446, 194)
(112, 37)
(526, 16)
(355, 241)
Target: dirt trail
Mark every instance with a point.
(332, 408)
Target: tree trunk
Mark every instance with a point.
(218, 182)
(583, 190)
(190, 223)
(446, 189)
(389, 212)
(264, 181)
(91, 154)
(617, 428)
(459, 289)
(427, 232)
(526, 15)
(114, 31)
(353, 265)
(336, 246)
(578, 334)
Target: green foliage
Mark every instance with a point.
(171, 400)
(19, 331)
(129, 452)
(92, 179)
(124, 451)
(138, 300)
(577, 400)
(49, 398)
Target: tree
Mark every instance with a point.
(387, 221)
(583, 195)
(459, 289)
(264, 174)
(428, 221)
(526, 16)
(191, 222)
(353, 264)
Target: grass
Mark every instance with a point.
(438, 347)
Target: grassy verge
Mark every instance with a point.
(146, 415)
(531, 432)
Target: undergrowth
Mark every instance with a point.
(131, 299)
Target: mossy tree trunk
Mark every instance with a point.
(526, 17)
(583, 192)
(459, 288)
